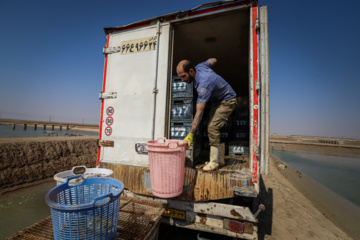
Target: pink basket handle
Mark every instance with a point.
(177, 145)
(161, 140)
(182, 148)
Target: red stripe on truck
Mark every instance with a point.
(102, 101)
(255, 93)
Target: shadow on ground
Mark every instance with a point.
(266, 217)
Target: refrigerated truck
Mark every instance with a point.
(136, 107)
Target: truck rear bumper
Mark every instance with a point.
(226, 219)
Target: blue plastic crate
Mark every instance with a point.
(181, 89)
(179, 130)
(182, 109)
(86, 211)
(240, 113)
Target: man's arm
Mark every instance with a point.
(200, 107)
(212, 61)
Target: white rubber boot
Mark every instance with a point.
(214, 160)
(222, 155)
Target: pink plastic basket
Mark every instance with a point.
(167, 162)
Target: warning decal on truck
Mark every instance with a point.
(110, 111)
(139, 45)
(109, 121)
(108, 131)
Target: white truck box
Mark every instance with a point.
(140, 63)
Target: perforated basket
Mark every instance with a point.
(89, 210)
(167, 163)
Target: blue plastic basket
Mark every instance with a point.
(86, 211)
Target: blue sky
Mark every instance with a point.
(51, 60)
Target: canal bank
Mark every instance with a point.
(325, 146)
(339, 174)
(329, 199)
(25, 160)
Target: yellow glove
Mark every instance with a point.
(189, 139)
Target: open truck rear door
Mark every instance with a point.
(265, 91)
(134, 86)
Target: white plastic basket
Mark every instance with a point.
(89, 172)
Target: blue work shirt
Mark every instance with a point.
(210, 85)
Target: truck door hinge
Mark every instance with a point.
(155, 90)
(109, 95)
(158, 30)
(111, 50)
(105, 143)
(257, 151)
(257, 24)
(257, 85)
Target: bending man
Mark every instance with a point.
(210, 87)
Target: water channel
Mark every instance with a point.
(19, 212)
(339, 174)
(6, 131)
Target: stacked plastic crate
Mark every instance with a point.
(182, 108)
(234, 133)
(239, 143)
